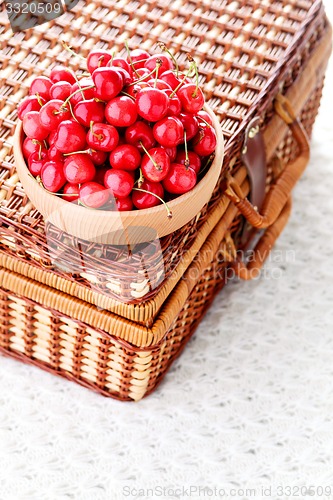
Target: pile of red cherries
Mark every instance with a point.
(128, 134)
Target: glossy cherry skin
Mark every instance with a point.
(167, 63)
(124, 204)
(94, 195)
(138, 58)
(71, 137)
(52, 113)
(172, 152)
(140, 132)
(62, 74)
(152, 104)
(193, 159)
(41, 86)
(191, 97)
(190, 123)
(143, 74)
(175, 106)
(125, 76)
(103, 137)
(54, 154)
(125, 157)
(89, 111)
(52, 176)
(72, 190)
(79, 168)
(180, 179)
(119, 182)
(89, 93)
(30, 103)
(155, 167)
(36, 161)
(29, 146)
(159, 84)
(204, 143)
(169, 131)
(98, 59)
(120, 62)
(121, 111)
(171, 79)
(142, 200)
(108, 83)
(33, 127)
(133, 90)
(60, 90)
(206, 116)
(98, 157)
(52, 137)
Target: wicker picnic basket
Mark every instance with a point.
(114, 318)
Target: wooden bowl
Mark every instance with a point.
(119, 228)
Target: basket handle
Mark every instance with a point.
(262, 250)
(280, 190)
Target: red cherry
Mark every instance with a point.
(204, 143)
(62, 74)
(60, 90)
(52, 137)
(143, 200)
(103, 137)
(166, 65)
(89, 111)
(94, 195)
(190, 124)
(152, 104)
(169, 131)
(124, 204)
(172, 152)
(155, 164)
(108, 83)
(98, 157)
(97, 59)
(52, 176)
(140, 132)
(125, 157)
(206, 116)
(175, 105)
(84, 94)
(159, 84)
(30, 146)
(119, 182)
(71, 137)
(72, 190)
(125, 76)
(194, 161)
(36, 161)
(79, 168)
(55, 154)
(133, 90)
(30, 103)
(171, 79)
(33, 127)
(191, 97)
(41, 86)
(180, 179)
(143, 74)
(52, 113)
(121, 111)
(120, 62)
(138, 58)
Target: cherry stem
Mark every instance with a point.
(144, 77)
(70, 50)
(187, 161)
(158, 197)
(39, 99)
(208, 162)
(128, 95)
(88, 151)
(40, 182)
(40, 148)
(76, 92)
(99, 136)
(195, 67)
(206, 123)
(162, 46)
(130, 59)
(140, 179)
(156, 77)
(156, 165)
(181, 82)
(77, 81)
